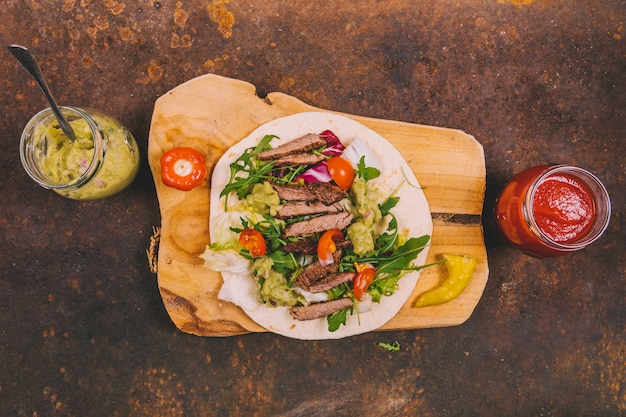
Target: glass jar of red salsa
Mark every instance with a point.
(552, 210)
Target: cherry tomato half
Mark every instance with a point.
(183, 168)
(364, 277)
(341, 171)
(253, 241)
(326, 246)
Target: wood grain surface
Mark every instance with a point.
(211, 113)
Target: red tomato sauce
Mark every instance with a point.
(552, 210)
(563, 208)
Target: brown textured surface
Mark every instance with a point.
(83, 330)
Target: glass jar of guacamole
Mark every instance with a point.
(102, 160)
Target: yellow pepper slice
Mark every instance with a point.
(460, 271)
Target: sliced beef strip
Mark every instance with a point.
(302, 144)
(294, 192)
(309, 246)
(331, 281)
(298, 159)
(319, 224)
(317, 310)
(343, 244)
(305, 246)
(316, 271)
(324, 192)
(307, 208)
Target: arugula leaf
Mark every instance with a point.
(335, 320)
(386, 207)
(403, 256)
(394, 347)
(242, 185)
(391, 268)
(367, 173)
(388, 262)
(338, 291)
(291, 173)
(272, 230)
(246, 171)
(385, 286)
(284, 262)
(386, 241)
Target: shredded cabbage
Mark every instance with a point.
(357, 149)
(225, 260)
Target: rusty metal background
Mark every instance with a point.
(83, 331)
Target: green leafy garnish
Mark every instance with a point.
(335, 320)
(403, 256)
(394, 347)
(392, 267)
(252, 169)
(386, 207)
(387, 241)
(389, 262)
(284, 262)
(272, 230)
(365, 172)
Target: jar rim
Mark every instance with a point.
(598, 193)
(27, 148)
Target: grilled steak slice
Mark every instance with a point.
(294, 192)
(298, 159)
(319, 224)
(331, 281)
(325, 192)
(300, 145)
(306, 246)
(309, 246)
(317, 310)
(307, 208)
(316, 271)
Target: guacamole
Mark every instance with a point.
(367, 213)
(274, 287)
(95, 165)
(264, 199)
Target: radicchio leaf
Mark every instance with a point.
(319, 172)
(334, 147)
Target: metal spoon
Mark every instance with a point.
(26, 58)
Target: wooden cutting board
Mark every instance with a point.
(211, 113)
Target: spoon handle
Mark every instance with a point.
(26, 58)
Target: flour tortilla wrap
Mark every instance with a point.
(397, 178)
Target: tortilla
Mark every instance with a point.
(412, 213)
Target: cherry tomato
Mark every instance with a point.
(341, 171)
(364, 277)
(326, 246)
(253, 241)
(183, 168)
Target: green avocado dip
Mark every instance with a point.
(274, 287)
(102, 160)
(367, 213)
(264, 199)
